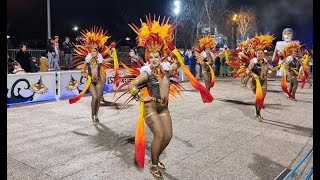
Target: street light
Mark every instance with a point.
(75, 28)
(8, 37)
(176, 12)
(127, 38)
(235, 19)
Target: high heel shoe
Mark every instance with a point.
(161, 165)
(259, 118)
(154, 170)
(95, 120)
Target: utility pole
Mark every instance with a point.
(48, 19)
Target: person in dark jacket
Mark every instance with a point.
(33, 65)
(193, 62)
(217, 64)
(67, 49)
(23, 58)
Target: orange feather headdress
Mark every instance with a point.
(262, 42)
(153, 35)
(206, 42)
(95, 38)
(288, 48)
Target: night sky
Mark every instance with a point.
(27, 20)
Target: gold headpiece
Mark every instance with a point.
(206, 42)
(95, 38)
(244, 44)
(291, 46)
(288, 48)
(262, 42)
(154, 36)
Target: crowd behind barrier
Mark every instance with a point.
(122, 56)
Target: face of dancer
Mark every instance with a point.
(294, 53)
(154, 58)
(287, 36)
(260, 54)
(94, 52)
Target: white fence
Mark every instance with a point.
(33, 87)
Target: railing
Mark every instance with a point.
(34, 53)
(289, 176)
(122, 56)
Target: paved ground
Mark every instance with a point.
(221, 140)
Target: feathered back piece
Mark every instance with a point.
(291, 46)
(262, 42)
(206, 42)
(244, 44)
(95, 38)
(153, 35)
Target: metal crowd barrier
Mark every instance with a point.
(122, 56)
(289, 176)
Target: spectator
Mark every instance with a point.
(136, 61)
(224, 67)
(67, 49)
(311, 61)
(17, 69)
(23, 58)
(51, 53)
(43, 63)
(186, 58)
(33, 65)
(217, 63)
(193, 63)
(56, 57)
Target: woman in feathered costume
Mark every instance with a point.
(258, 69)
(241, 60)
(206, 58)
(292, 64)
(153, 86)
(94, 66)
(245, 55)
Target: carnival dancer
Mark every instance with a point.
(258, 69)
(241, 60)
(94, 66)
(304, 68)
(291, 64)
(153, 86)
(206, 58)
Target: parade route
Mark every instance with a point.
(220, 140)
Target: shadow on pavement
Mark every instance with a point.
(298, 130)
(265, 168)
(108, 140)
(187, 143)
